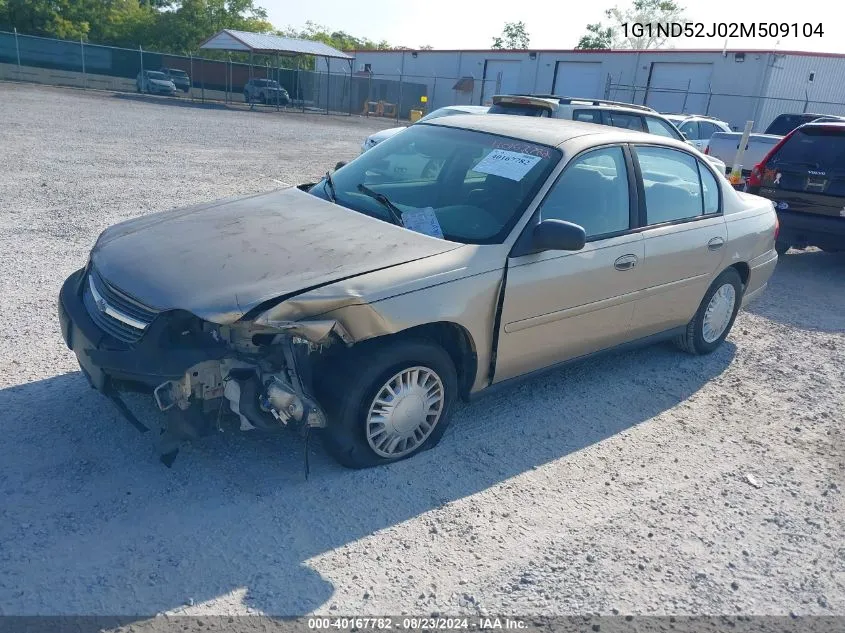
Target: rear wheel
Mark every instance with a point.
(389, 405)
(781, 248)
(715, 316)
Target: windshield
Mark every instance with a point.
(471, 186)
(178, 73)
(152, 74)
(813, 148)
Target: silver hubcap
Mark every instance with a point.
(405, 411)
(718, 313)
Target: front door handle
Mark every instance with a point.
(626, 262)
(715, 244)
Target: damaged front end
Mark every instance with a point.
(198, 371)
(264, 378)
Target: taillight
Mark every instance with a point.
(777, 227)
(707, 149)
(756, 177)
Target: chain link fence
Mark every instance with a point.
(79, 64)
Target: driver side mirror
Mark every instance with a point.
(558, 235)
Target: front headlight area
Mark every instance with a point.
(260, 374)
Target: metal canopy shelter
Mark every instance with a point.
(275, 45)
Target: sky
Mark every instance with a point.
(465, 24)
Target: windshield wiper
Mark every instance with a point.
(332, 194)
(395, 212)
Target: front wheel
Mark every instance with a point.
(390, 404)
(715, 316)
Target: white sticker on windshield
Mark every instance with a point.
(501, 162)
(422, 221)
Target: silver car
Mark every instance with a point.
(155, 82)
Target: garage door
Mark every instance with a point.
(578, 79)
(679, 87)
(501, 77)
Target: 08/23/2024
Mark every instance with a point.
(414, 623)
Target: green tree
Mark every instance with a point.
(513, 36)
(644, 12)
(596, 37)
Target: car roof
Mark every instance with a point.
(836, 124)
(548, 131)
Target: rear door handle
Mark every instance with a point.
(715, 244)
(626, 262)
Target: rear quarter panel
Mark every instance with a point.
(751, 239)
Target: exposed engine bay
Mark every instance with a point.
(261, 375)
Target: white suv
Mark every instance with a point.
(625, 115)
(698, 128)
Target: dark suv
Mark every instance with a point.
(804, 176)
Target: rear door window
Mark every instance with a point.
(691, 130)
(660, 128)
(672, 184)
(588, 116)
(707, 129)
(626, 120)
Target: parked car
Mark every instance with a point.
(697, 128)
(724, 145)
(617, 114)
(267, 91)
(154, 82)
(374, 139)
(179, 78)
(365, 313)
(804, 176)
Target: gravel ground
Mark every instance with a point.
(619, 484)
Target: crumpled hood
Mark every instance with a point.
(220, 260)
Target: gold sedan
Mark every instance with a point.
(458, 255)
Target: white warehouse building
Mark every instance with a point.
(735, 86)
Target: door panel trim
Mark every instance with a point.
(559, 315)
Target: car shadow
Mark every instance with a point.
(92, 518)
(806, 291)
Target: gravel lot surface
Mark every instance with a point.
(648, 482)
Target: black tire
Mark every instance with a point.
(692, 340)
(781, 248)
(348, 388)
(246, 97)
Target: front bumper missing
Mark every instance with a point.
(199, 374)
